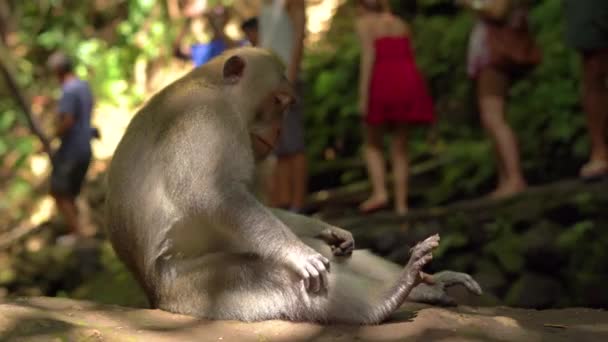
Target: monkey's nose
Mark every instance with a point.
(285, 99)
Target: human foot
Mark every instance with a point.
(401, 210)
(373, 204)
(594, 169)
(508, 190)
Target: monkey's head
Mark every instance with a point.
(257, 86)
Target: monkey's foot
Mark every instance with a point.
(421, 254)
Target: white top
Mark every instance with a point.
(276, 30)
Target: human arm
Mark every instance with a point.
(296, 9)
(64, 123)
(340, 240)
(178, 50)
(491, 9)
(366, 62)
(67, 109)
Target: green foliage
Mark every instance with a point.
(105, 60)
(106, 39)
(505, 246)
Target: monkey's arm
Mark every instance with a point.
(241, 215)
(340, 240)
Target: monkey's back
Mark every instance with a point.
(155, 169)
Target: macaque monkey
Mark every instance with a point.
(182, 216)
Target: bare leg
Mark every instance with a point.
(491, 92)
(299, 174)
(595, 99)
(400, 169)
(68, 209)
(374, 158)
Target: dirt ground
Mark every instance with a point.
(60, 319)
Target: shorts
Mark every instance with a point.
(68, 174)
(291, 140)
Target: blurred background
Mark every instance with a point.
(543, 248)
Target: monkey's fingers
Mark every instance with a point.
(325, 280)
(306, 279)
(323, 270)
(315, 280)
(347, 247)
(325, 262)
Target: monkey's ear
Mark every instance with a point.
(233, 69)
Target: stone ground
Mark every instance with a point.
(60, 319)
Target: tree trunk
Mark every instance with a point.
(21, 99)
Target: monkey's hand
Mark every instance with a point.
(310, 265)
(433, 289)
(341, 241)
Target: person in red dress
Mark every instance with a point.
(392, 94)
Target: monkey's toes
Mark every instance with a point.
(425, 247)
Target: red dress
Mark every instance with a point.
(398, 92)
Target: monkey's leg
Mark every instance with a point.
(248, 288)
(385, 271)
(381, 305)
(231, 286)
(436, 293)
(366, 264)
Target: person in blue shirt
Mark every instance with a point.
(71, 160)
(201, 53)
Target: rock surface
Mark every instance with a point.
(60, 319)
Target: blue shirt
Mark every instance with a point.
(76, 100)
(202, 53)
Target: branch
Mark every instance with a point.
(21, 100)
(12, 236)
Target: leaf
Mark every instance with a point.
(570, 238)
